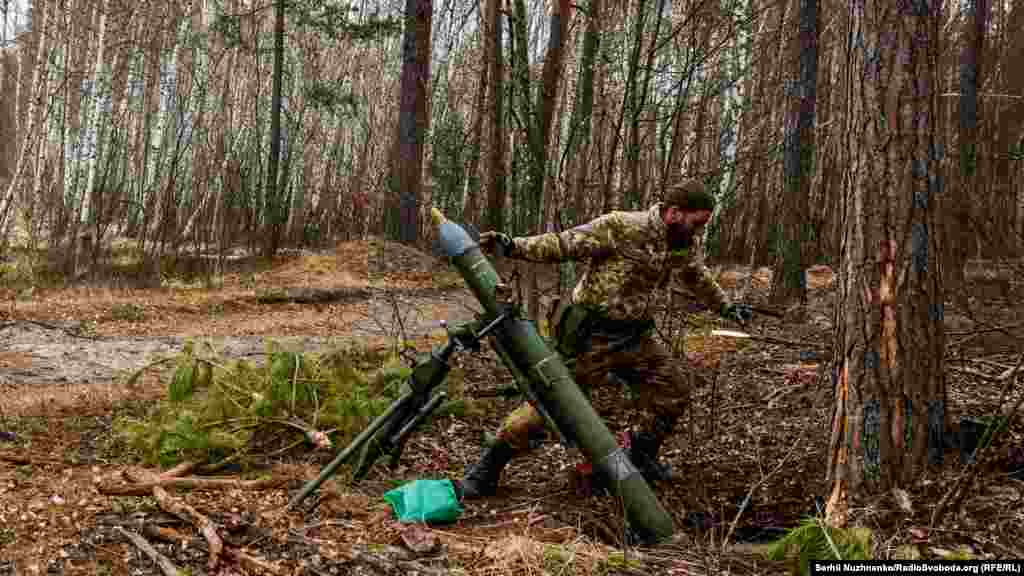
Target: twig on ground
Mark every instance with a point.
(246, 559)
(779, 392)
(195, 483)
(251, 561)
(978, 331)
(1008, 371)
(190, 514)
(130, 381)
(21, 459)
(387, 565)
(166, 566)
(956, 494)
(165, 533)
(750, 492)
(179, 470)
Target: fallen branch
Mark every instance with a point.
(252, 561)
(143, 476)
(311, 295)
(1007, 373)
(166, 566)
(192, 482)
(21, 459)
(165, 533)
(172, 535)
(179, 470)
(190, 514)
(13, 458)
(400, 563)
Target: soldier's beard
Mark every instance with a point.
(680, 236)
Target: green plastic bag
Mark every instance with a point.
(430, 501)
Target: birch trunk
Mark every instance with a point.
(31, 132)
(94, 134)
(163, 136)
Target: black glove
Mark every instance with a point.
(497, 243)
(740, 313)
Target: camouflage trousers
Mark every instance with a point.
(661, 385)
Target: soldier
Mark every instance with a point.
(608, 326)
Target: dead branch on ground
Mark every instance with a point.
(22, 458)
(189, 514)
(312, 295)
(192, 482)
(166, 566)
(242, 558)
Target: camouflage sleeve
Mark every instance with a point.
(698, 279)
(591, 240)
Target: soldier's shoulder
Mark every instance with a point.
(628, 221)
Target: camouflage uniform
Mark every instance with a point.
(629, 265)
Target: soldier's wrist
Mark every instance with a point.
(508, 245)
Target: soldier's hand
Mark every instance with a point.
(740, 313)
(497, 243)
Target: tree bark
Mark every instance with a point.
(413, 121)
(274, 202)
(31, 134)
(497, 193)
(638, 103)
(962, 230)
(789, 282)
(94, 135)
(889, 347)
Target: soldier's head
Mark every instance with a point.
(686, 209)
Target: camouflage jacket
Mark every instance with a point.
(630, 264)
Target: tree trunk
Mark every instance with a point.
(274, 202)
(156, 203)
(789, 281)
(413, 121)
(889, 347)
(94, 134)
(962, 225)
(629, 89)
(1012, 126)
(497, 193)
(638, 103)
(31, 133)
(547, 100)
(471, 195)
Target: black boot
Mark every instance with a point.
(644, 446)
(482, 479)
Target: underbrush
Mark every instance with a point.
(217, 412)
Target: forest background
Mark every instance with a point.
(883, 138)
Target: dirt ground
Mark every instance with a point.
(749, 463)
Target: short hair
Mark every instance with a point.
(690, 195)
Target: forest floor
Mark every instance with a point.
(749, 461)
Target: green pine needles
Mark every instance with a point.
(814, 540)
(218, 411)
